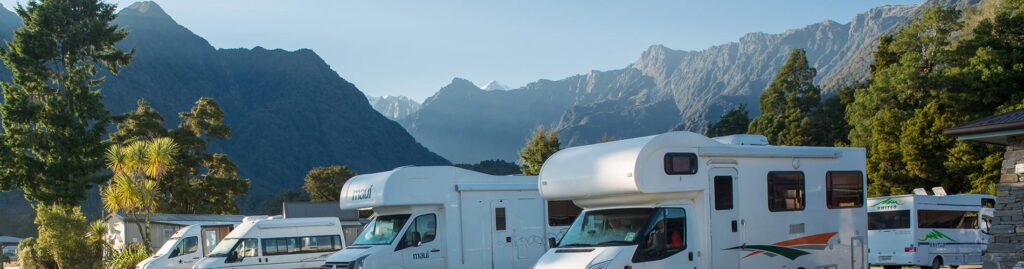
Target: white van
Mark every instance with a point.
(928, 230)
(682, 200)
(277, 243)
(187, 246)
(446, 217)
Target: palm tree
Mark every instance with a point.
(136, 169)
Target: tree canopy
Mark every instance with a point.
(788, 104)
(735, 121)
(542, 144)
(324, 183)
(53, 116)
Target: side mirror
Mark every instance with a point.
(415, 239)
(552, 243)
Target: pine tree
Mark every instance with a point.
(788, 104)
(734, 121)
(52, 112)
(541, 145)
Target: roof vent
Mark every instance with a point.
(743, 139)
(939, 191)
(920, 191)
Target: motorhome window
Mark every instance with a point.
(988, 203)
(351, 233)
(246, 247)
(336, 242)
(186, 246)
(844, 189)
(382, 230)
(304, 244)
(665, 236)
(785, 191)
(947, 219)
(888, 220)
(324, 243)
(680, 163)
(499, 218)
(562, 213)
(723, 193)
(608, 227)
(425, 226)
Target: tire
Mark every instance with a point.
(892, 267)
(936, 263)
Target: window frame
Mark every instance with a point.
(660, 215)
(300, 240)
(828, 190)
(411, 225)
(922, 217)
(771, 191)
(694, 163)
(732, 193)
(179, 248)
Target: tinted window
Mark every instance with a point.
(665, 236)
(785, 191)
(844, 189)
(186, 246)
(887, 220)
(562, 213)
(723, 193)
(499, 218)
(302, 244)
(946, 219)
(425, 226)
(680, 163)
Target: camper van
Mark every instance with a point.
(928, 230)
(683, 200)
(272, 243)
(446, 217)
(187, 246)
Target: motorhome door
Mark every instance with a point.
(503, 250)
(725, 223)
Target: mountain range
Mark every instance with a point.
(663, 90)
(288, 110)
(394, 107)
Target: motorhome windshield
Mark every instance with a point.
(888, 220)
(609, 227)
(382, 230)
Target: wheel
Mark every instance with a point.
(936, 264)
(892, 267)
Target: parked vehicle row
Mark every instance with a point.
(675, 200)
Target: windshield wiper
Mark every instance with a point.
(575, 245)
(614, 243)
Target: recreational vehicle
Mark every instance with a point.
(272, 243)
(683, 200)
(187, 246)
(928, 230)
(446, 217)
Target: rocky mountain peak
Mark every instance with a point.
(494, 85)
(147, 9)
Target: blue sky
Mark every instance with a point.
(413, 48)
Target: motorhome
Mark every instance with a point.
(187, 246)
(446, 217)
(272, 243)
(930, 231)
(683, 200)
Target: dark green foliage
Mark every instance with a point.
(65, 240)
(734, 121)
(199, 182)
(324, 183)
(924, 80)
(541, 145)
(492, 167)
(789, 103)
(53, 115)
(830, 121)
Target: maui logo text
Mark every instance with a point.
(360, 194)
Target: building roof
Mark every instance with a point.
(992, 129)
(8, 240)
(314, 209)
(181, 219)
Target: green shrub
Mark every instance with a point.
(33, 256)
(129, 257)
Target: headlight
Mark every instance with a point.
(600, 265)
(358, 263)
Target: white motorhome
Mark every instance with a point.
(187, 246)
(682, 200)
(928, 230)
(445, 217)
(272, 243)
